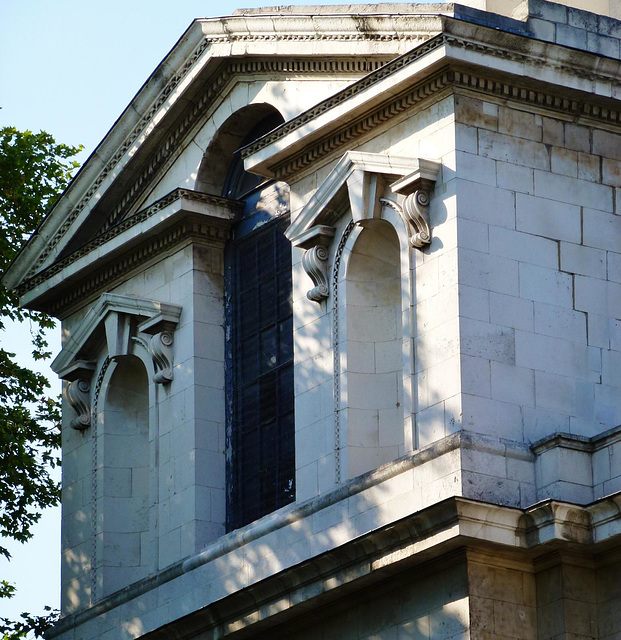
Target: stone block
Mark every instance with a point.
(555, 393)
(490, 417)
(480, 486)
(360, 359)
(450, 620)
(515, 620)
(539, 423)
(478, 460)
(473, 235)
(582, 19)
(122, 549)
(511, 311)
(466, 138)
(515, 177)
(427, 282)
(476, 376)
(548, 11)
(474, 167)
(486, 340)
(523, 247)
(417, 629)
(589, 167)
(521, 470)
(519, 124)
(546, 285)
(474, 303)
(598, 334)
(434, 312)
(444, 379)
(607, 144)
(496, 583)
(494, 273)
(553, 130)
(611, 172)
(615, 332)
(476, 113)
(543, 30)
(513, 384)
(572, 191)
(430, 424)
(608, 404)
(571, 37)
(548, 218)
(486, 204)
(516, 150)
(577, 137)
(602, 230)
(560, 322)
(564, 161)
(597, 296)
(603, 45)
(553, 355)
(583, 260)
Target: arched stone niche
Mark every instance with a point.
(372, 346)
(124, 540)
(362, 276)
(114, 362)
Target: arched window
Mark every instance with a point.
(259, 342)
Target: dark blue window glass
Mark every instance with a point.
(259, 380)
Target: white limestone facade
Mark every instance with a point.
(448, 181)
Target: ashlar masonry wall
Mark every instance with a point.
(538, 204)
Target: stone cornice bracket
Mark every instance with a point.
(78, 393)
(315, 259)
(160, 347)
(416, 187)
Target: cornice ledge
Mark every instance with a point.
(576, 441)
(556, 521)
(221, 211)
(318, 26)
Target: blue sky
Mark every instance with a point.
(70, 67)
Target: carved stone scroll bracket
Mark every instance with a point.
(315, 260)
(78, 393)
(417, 187)
(160, 347)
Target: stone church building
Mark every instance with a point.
(340, 295)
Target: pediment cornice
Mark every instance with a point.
(464, 57)
(181, 90)
(178, 217)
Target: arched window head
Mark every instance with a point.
(222, 170)
(239, 183)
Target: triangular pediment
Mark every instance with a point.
(184, 92)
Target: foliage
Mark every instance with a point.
(34, 170)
